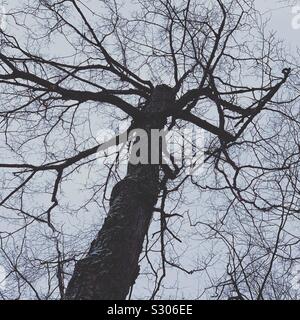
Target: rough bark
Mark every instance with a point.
(111, 265)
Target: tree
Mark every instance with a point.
(168, 65)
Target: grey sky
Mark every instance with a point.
(281, 16)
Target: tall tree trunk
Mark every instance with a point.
(111, 265)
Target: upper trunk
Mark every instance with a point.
(111, 265)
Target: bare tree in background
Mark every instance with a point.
(167, 64)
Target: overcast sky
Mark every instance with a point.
(280, 13)
(281, 19)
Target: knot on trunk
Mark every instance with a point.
(157, 108)
(162, 99)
